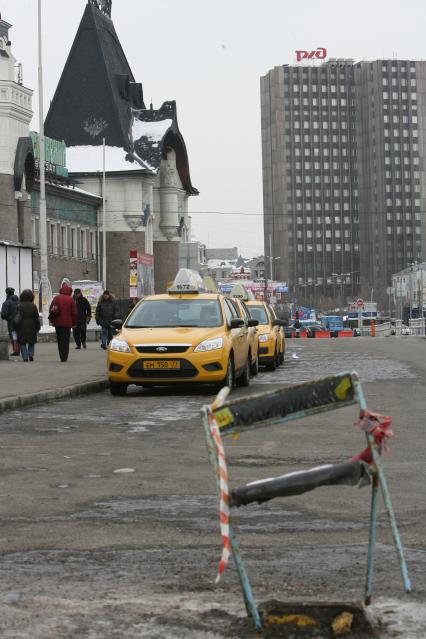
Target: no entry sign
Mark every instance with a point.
(359, 302)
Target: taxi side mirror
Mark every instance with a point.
(277, 322)
(236, 322)
(117, 324)
(252, 322)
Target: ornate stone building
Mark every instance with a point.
(147, 172)
(72, 226)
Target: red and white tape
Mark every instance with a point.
(223, 493)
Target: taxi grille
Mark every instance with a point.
(169, 348)
(186, 370)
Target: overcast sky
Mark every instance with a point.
(209, 56)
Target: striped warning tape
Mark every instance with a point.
(223, 493)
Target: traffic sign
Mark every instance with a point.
(359, 302)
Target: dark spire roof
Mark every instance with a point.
(97, 89)
(154, 131)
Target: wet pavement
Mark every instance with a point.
(109, 524)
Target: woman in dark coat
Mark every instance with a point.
(29, 325)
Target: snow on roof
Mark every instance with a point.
(76, 189)
(88, 159)
(216, 263)
(154, 131)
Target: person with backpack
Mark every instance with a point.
(8, 312)
(84, 315)
(63, 316)
(106, 311)
(28, 325)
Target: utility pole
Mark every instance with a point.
(104, 270)
(44, 275)
(271, 275)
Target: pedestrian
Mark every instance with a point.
(28, 326)
(84, 315)
(297, 325)
(8, 312)
(63, 316)
(106, 311)
(133, 303)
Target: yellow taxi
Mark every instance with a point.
(183, 336)
(271, 334)
(240, 295)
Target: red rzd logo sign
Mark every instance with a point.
(320, 54)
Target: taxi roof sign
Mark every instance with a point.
(209, 284)
(239, 291)
(187, 281)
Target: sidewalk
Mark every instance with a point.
(45, 379)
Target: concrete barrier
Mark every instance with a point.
(345, 334)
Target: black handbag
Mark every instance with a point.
(17, 319)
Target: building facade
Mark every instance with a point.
(342, 185)
(72, 225)
(147, 171)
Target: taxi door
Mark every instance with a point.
(239, 336)
(278, 330)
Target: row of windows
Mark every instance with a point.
(335, 139)
(398, 215)
(316, 152)
(402, 95)
(67, 240)
(328, 248)
(343, 102)
(399, 82)
(308, 234)
(319, 193)
(399, 230)
(325, 165)
(314, 124)
(315, 113)
(404, 119)
(397, 132)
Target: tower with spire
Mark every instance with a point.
(15, 117)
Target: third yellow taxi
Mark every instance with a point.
(183, 336)
(271, 334)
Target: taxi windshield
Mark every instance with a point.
(176, 312)
(259, 313)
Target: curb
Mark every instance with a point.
(11, 403)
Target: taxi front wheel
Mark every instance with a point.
(244, 379)
(117, 388)
(230, 376)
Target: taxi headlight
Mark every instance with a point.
(119, 345)
(264, 337)
(209, 345)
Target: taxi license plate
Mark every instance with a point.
(162, 364)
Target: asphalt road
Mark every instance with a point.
(109, 523)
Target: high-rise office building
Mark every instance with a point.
(342, 175)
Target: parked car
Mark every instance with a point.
(311, 329)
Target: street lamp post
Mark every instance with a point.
(44, 276)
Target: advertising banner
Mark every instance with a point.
(145, 275)
(92, 290)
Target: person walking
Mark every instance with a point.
(106, 311)
(84, 315)
(63, 316)
(8, 312)
(29, 325)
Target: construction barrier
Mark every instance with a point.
(320, 334)
(345, 334)
(237, 416)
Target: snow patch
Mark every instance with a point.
(154, 131)
(89, 159)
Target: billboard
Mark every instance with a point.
(145, 275)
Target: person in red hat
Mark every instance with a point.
(63, 316)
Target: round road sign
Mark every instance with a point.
(359, 302)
